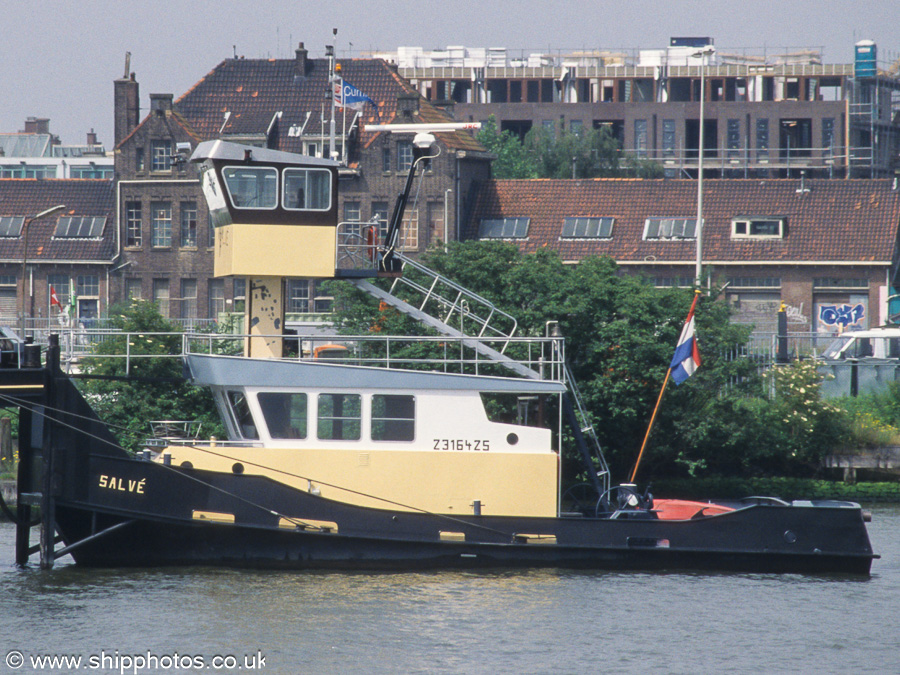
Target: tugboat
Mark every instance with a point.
(369, 460)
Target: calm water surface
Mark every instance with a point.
(461, 622)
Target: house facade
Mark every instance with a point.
(826, 249)
(72, 250)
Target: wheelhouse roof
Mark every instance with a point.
(236, 152)
(235, 371)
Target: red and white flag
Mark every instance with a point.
(54, 298)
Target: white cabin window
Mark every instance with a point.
(340, 417)
(285, 414)
(243, 419)
(393, 418)
(307, 190)
(251, 187)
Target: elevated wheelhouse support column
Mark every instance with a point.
(264, 318)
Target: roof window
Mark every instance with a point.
(670, 228)
(587, 228)
(79, 227)
(503, 228)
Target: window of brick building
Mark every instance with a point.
(133, 224)
(189, 224)
(161, 295)
(161, 224)
(160, 155)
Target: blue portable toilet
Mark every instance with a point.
(866, 53)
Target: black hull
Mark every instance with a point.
(157, 528)
(157, 544)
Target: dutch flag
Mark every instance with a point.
(687, 357)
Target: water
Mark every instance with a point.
(545, 621)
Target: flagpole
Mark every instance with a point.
(650, 426)
(658, 401)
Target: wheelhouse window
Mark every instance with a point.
(393, 418)
(670, 228)
(503, 228)
(285, 414)
(251, 187)
(587, 228)
(307, 190)
(340, 417)
(241, 416)
(758, 228)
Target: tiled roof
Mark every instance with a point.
(254, 90)
(26, 197)
(836, 220)
(172, 115)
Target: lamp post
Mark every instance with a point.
(700, 54)
(25, 224)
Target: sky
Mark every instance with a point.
(58, 58)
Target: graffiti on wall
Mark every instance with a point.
(842, 316)
(795, 314)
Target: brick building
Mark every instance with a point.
(72, 250)
(825, 248)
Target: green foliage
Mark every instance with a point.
(620, 335)
(591, 153)
(513, 160)
(875, 417)
(155, 390)
(787, 488)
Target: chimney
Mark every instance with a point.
(91, 137)
(126, 96)
(407, 105)
(301, 64)
(37, 125)
(160, 103)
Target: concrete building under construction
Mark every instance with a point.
(765, 114)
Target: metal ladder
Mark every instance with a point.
(591, 446)
(436, 301)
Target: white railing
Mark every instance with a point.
(545, 355)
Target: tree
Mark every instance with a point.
(153, 388)
(513, 159)
(620, 336)
(543, 153)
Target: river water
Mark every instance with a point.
(546, 621)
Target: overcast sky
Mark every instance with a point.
(58, 58)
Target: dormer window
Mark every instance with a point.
(763, 227)
(670, 228)
(160, 156)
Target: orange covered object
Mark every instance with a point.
(680, 509)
